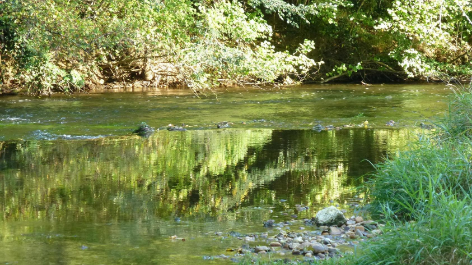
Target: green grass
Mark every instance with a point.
(425, 198)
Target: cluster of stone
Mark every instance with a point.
(333, 236)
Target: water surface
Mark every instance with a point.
(301, 107)
(77, 188)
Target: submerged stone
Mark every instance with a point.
(144, 130)
(171, 127)
(269, 223)
(223, 124)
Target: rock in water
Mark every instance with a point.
(223, 124)
(269, 223)
(318, 127)
(329, 216)
(144, 130)
(171, 127)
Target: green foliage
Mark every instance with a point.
(432, 37)
(410, 183)
(71, 45)
(424, 196)
(388, 39)
(66, 45)
(458, 122)
(439, 236)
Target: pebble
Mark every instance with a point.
(335, 231)
(259, 249)
(351, 222)
(359, 233)
(318, 248)
(360, 227)
(321, 243)
(333, 250)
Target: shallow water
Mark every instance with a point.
(68, 195)
(117, 114)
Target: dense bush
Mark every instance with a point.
(66, 45)
(379, 40)
(71, 45)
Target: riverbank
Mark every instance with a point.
(78, 187)
(328, 235)
(423, 196)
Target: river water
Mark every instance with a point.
(77, 187)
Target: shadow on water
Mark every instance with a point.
(119, 199)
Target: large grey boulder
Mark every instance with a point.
(330, 216)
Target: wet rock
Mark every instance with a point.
(390, 123)
(259, 249)
(329, 216)
(321, 255)
(223, 124)
(308, 255)
(296, 252)
(318, 127)
(171, 127)
(144, 130)
(235, 234)
(250, 238)
(269, 223)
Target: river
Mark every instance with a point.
(77, 187)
